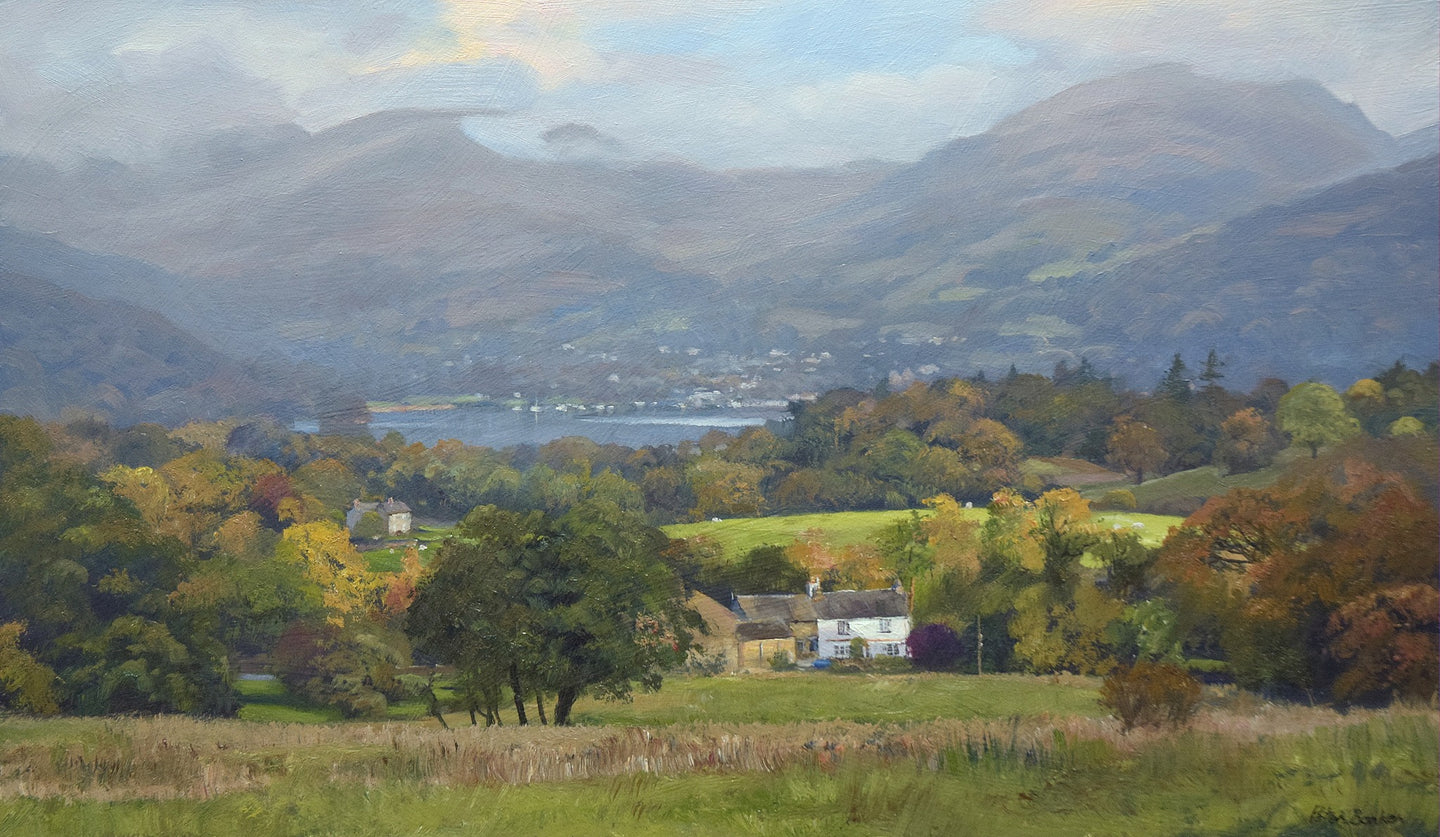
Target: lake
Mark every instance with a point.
(505, 428)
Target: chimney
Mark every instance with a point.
(812, 587)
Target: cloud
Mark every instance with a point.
(556, 38)
(724, 82)
(134, 105)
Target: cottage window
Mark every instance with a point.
(884, 626)
(842, 650)
(893, 649)
(842, 628)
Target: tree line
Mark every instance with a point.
(141, 566)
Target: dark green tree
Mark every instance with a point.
(91, 582)
(1176, 383)
(1211, 375)
(563, 606)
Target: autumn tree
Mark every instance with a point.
(90, 579)
(1385, 642)
(1059, 618)
(724, 489)
(26, 684)
(1246, 442)
(1309, 586)
(322, 550)
(1135, 447)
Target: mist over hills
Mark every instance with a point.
(1124, 220)
(60, 350)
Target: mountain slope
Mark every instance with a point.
(59, 349)
(397, 252)
(1113, 165)
(1326, 287)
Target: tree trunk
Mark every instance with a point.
(519, 694)
(564, 702)
(432, 702)
(491, 709)
(540, 707)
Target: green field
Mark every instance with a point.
(740, 535)
(1204, 482)
(268, 701)
(828, 696)
(387, 559)
(839, 529)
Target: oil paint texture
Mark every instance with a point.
(723, 416)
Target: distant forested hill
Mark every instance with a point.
(61, 349)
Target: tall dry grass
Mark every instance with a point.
(174, 757)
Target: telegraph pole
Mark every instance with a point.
(979, 647)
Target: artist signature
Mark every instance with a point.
(1354, 816)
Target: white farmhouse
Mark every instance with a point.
(881, 618)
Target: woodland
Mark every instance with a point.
(145, 569)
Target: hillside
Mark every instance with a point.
(59, 349)
(396, 251)
(1309, 289)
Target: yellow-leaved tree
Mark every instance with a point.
(323, 550)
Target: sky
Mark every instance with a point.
(723, 83)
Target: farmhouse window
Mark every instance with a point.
(884, 626)
(842, 628)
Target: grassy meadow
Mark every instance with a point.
(840, 529)
(975, 766)
(1198, 483)
(388, 559)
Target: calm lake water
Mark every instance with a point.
(504, 428)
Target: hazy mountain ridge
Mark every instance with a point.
(60, 349)
(398, 252)
(1265, 289)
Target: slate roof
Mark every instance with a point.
(384, 509)
(746, 631)
(775, 608)
(861, 604)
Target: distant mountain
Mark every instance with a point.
(406, 258)
(1327, 287)
(1421, 143)
(1095, 175)
(396, 235)
(59, 350)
